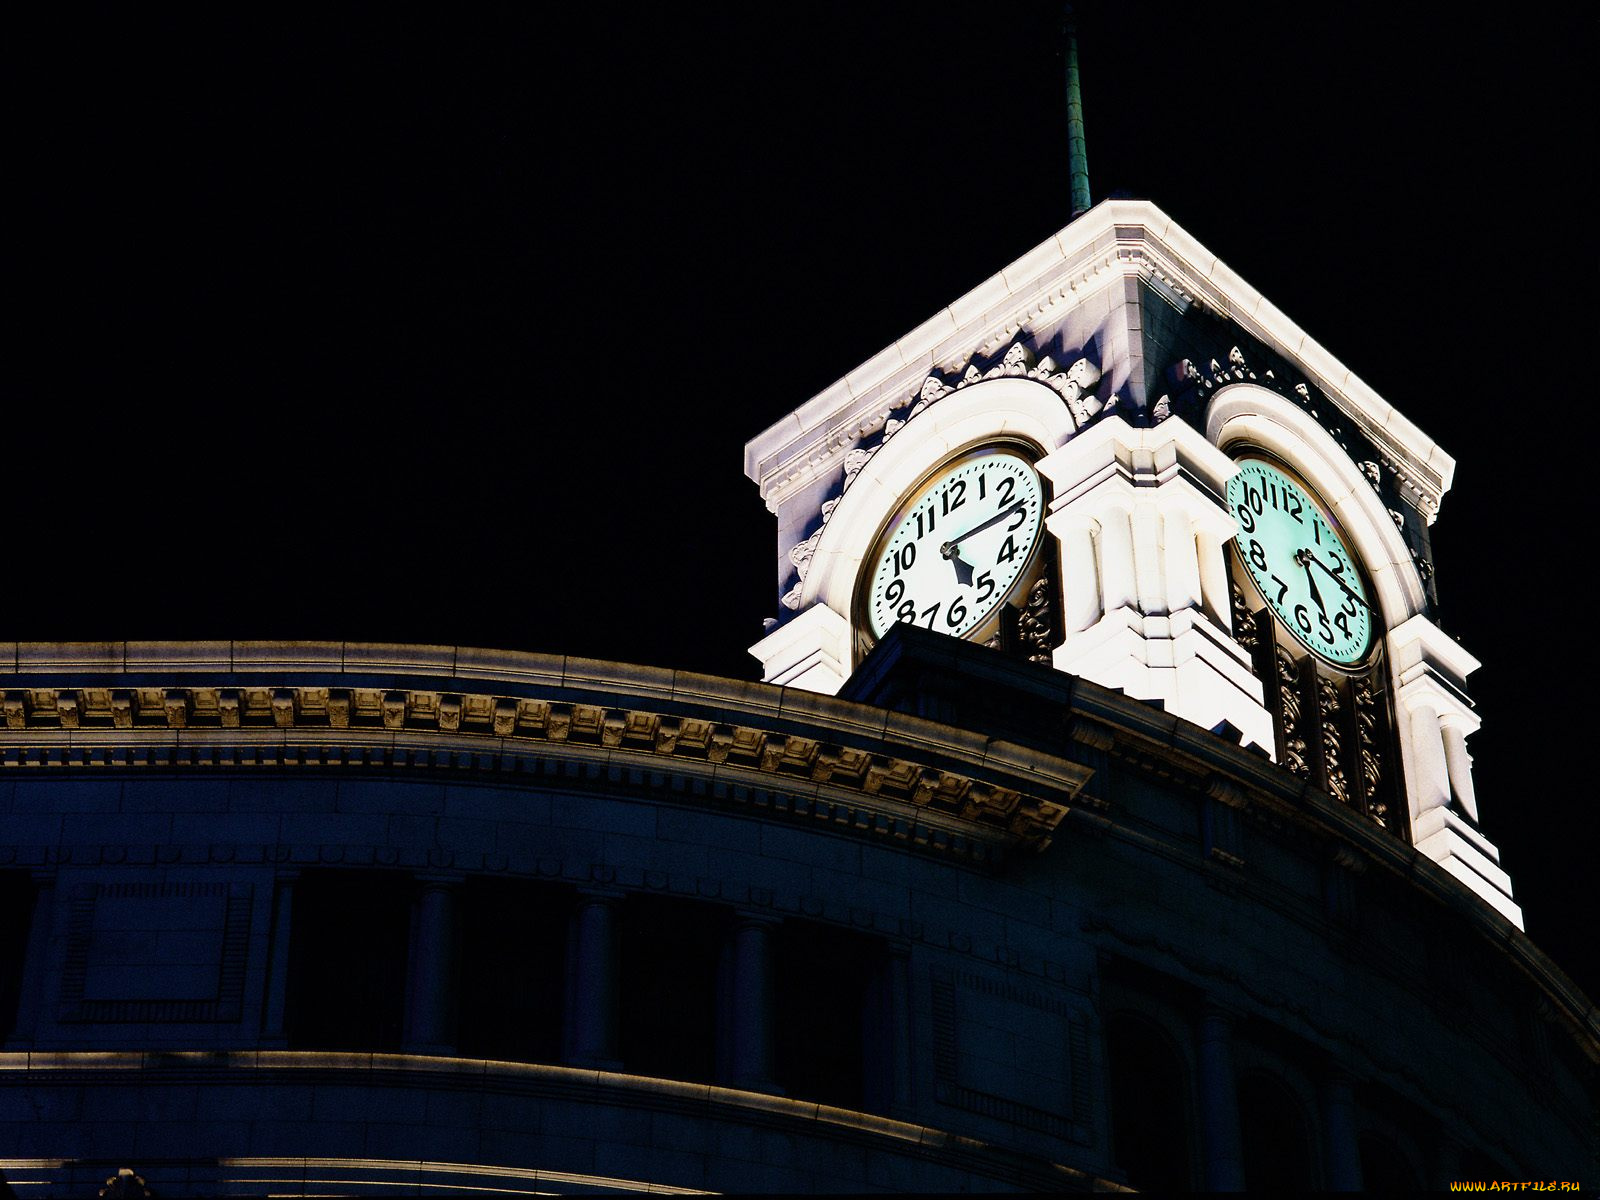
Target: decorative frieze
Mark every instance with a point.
(495, 723)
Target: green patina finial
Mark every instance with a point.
(1077, 154)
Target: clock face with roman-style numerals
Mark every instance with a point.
(1303, 569)
(957, 546)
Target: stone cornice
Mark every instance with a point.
(941, 788)
(1115, 239)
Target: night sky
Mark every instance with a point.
(450, 327)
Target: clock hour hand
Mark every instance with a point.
(962, 566)
(953, 547)
(1303, 557)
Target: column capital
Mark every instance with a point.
(751, 918)
(811, 650)
(434, 881)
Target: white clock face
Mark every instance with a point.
(957, 546)
(1303, 569)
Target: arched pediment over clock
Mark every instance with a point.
(994, 409)
(1247, 414)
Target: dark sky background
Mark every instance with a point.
(450, 326)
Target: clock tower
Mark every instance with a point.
(1116, 459)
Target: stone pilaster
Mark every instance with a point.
(431, 1018)
(1435, 718)
(751, 1002)
(592, 1011)
(273, 1032)
(811, 651)
(1340, 1141)
(1219, 1103)
(1139, 519)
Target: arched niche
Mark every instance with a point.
(1248, 414)
(1008, 407)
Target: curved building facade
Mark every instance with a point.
(1106, 819)
(345, 918)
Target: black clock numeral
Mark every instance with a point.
(1338, 566)
(956, 615)
(1302, 618)
(896, 589)
(906, 555)
(932, 613)
(983, 489)
(1316, 531)
(1021, 515)
(1258, 555)
(1008, 550)
(907, 611)
(1297, 509)
(1342, 620)
(1007, 486)
(985, 587)
(1247, 519)
(1283, 588)
(1254, 497)
(957, 490)
(1325, 629)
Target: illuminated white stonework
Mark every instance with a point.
(1142, 546)
(1137, 514)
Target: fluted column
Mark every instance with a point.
(273, 1032)
(1433, 774)
(1182, 561)
(592, 1015)
(751, 1010)
(1215, 593)
(1339, 1133)
(1219, 1103)
(1080, 578)
(1147, 556)
(1459, 765)
(1117, 579)
(900, 1027)
(433, 977)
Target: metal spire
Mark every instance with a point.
(1077, 155)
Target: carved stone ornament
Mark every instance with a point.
(1294, 742)
(1244, 625)
(801, 554)
(1373, 473)
(1366, 705)
(1034, 622)
(877, 792)
(1074, 386)
(1332, 752)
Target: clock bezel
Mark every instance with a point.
(1242, 452)
(1027, 574)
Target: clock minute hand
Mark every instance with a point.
(953, 547)
(1331, 574)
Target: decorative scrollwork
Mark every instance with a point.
(1294, 743)
(1366, 705)
(1035, 622)
(1244, 623)
(1332, 751)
